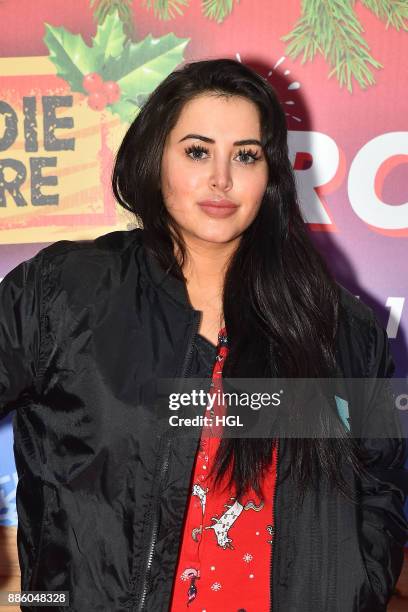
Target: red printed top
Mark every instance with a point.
(225, 557)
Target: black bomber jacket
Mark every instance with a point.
(85, 327)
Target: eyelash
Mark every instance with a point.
(201, 149)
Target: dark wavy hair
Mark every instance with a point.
(280, 302)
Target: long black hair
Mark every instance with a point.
(280, 302)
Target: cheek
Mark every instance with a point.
(166, 182)
(254, 189)
(179, 184)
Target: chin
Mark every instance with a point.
(218, 236)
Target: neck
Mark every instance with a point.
(204, 270)
(206, 263)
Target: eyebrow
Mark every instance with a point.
(248, 141)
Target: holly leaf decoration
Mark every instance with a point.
(143, 65)
(126, 109)
(137, 68)
(71, 56)
(110, 38)
(141, 68)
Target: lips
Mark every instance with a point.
(218, 203)
(218, 208)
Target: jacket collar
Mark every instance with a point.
(162, 279)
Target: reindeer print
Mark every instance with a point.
(223, 524)
(201, 494)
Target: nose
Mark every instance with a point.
(221, 177)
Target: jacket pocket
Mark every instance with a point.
(365, 571)
(374, 590)
(382, 556)
(47, 495)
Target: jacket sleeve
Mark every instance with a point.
(20, 303)
(384, 528)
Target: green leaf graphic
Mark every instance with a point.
(137, 68)
(333, 29)
(71, 56)
(126, 109)
(143, 65)
(217, 9)
(166, 9)
(110, 38)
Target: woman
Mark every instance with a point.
(222, 281)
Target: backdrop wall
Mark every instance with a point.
(73, 74)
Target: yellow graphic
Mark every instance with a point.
(56, 157)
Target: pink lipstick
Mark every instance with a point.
(218, 208)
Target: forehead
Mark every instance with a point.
(219, 116)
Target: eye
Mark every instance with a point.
(250, 156)
(196, 151)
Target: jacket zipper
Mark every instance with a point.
(186, 369)
(274, 534)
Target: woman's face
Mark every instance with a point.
(213, 155)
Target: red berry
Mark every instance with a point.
(92, 82)
(111, 91)
(97, 101)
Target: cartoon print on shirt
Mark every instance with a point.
(196, 532)
(223, 524)
(271, 530)
(191, 574)
(201, 494)
(205, 581)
